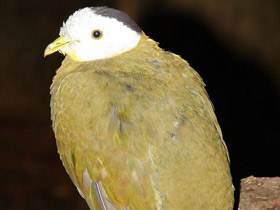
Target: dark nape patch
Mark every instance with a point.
(118, 15)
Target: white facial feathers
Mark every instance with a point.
(116, 37)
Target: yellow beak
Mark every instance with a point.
(56, 45)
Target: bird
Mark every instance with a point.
(134, 126)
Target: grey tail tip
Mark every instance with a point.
(100, 196)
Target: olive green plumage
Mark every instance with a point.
(141, 125)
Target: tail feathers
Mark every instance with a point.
(95, 195)
(97, 200)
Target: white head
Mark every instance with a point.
(96, 33)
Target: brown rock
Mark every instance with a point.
(260, 193)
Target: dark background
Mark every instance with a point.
(235, 47)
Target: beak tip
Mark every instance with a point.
(46, 52)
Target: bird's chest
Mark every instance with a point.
(116, 113)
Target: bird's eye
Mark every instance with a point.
(96, 34)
